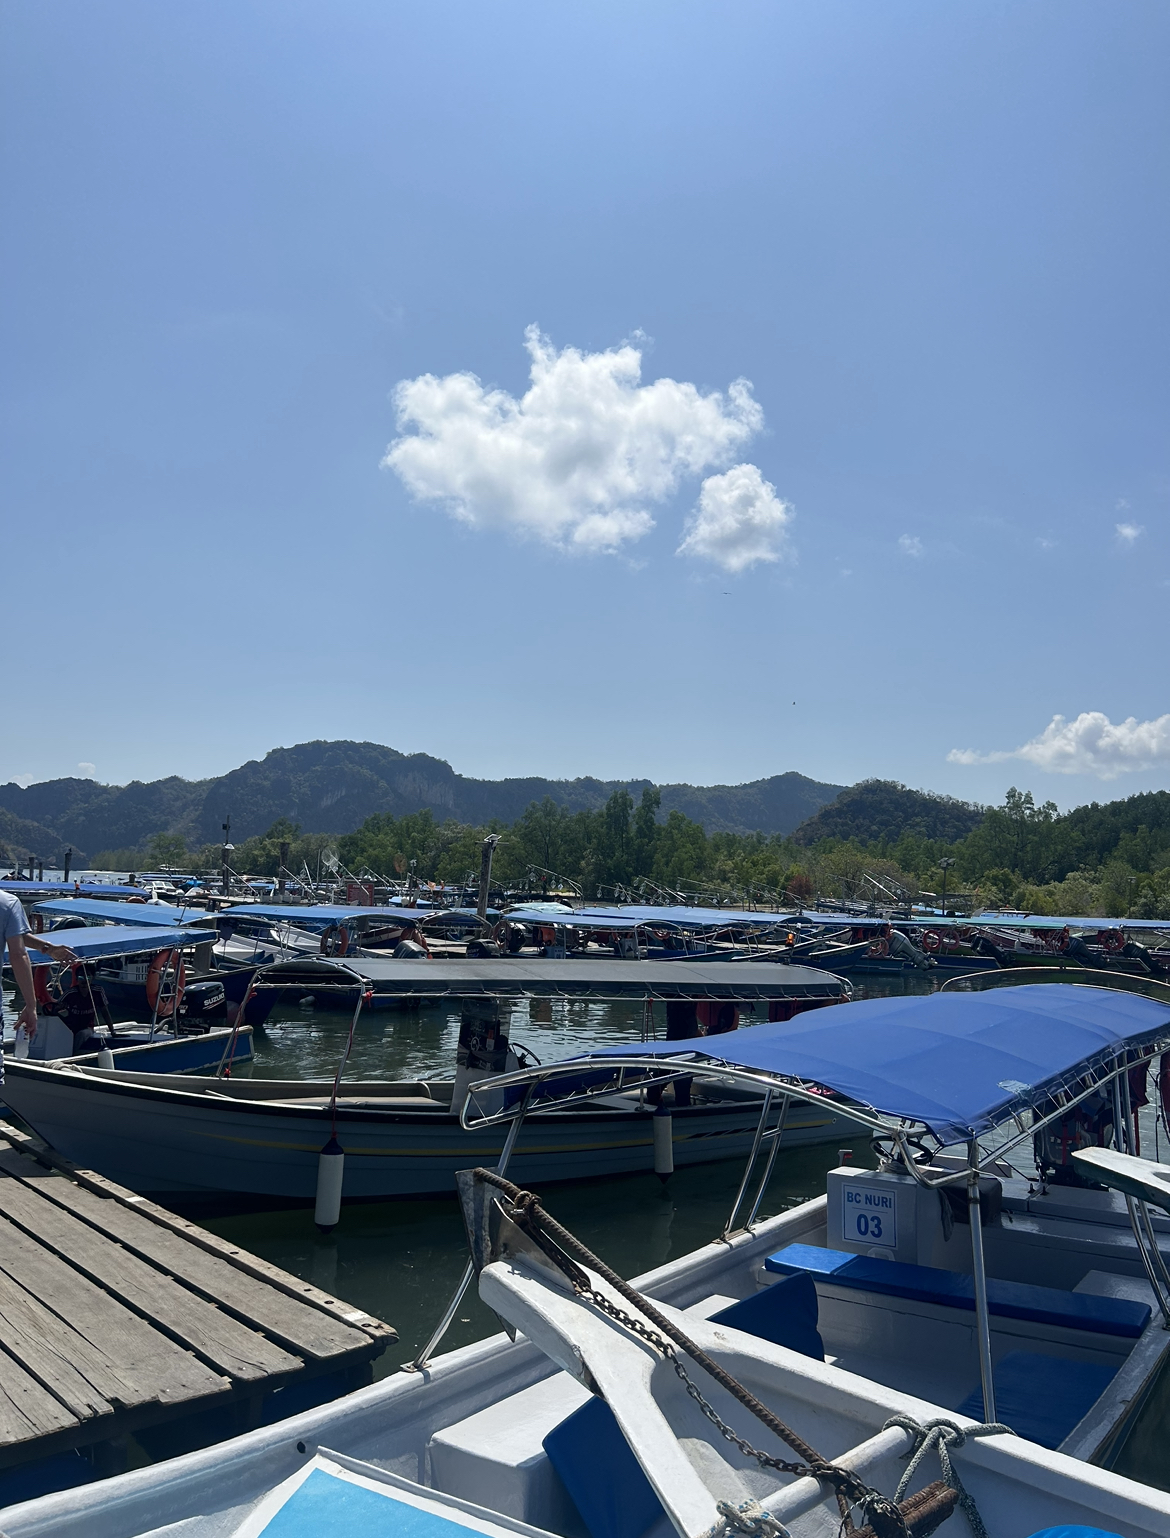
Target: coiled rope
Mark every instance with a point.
(941, 1436)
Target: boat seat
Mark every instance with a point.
(623, 1504)
(1041, 1397)
(954, 1289)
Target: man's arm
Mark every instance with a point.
(22, 971)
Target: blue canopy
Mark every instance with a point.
(162, 914)
(85, 888)
(690, 918)
(549, 917)
(325, 914)
(959, 1062)
(109, 940)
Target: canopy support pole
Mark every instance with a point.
(1131, 1132)
(750, 1165)
(465, 1280)
(979, 1270)
(1134, 1208)
(770, 1165)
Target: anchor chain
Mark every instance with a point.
(883, 1516)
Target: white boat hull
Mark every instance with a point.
(161, 1139)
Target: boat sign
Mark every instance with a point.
(869, 1215)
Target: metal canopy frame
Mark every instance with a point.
(1067, 1091)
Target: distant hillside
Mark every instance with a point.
(876, 811)
(19, 839)
(332, 787)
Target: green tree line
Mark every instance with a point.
(1110, 860)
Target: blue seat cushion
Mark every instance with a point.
(785, 1313)
(954, 1289)
(599, 1471)
(1067, 1531)
(623, 1503)
(1041, 1397)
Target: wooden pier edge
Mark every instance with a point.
(252, 1265)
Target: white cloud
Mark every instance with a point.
(1128, 533)
(1091, 744)
(24, 780)
(86, 767)
(910, 544)
(738, 521)
(578, 458)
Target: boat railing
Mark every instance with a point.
(1012, 977)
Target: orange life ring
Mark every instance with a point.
(38, 924)
(335, 940)
(931, 940)
(1112, 940)
(164, 1005)
(878, 948)
(136, 899)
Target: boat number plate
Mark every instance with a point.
(868, 1216)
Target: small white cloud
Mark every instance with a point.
(1044, 543)
(1091, 744)
(1128, 533)
(738, 521)
(24, 780)
(575, 461)
(86, 768)
(1121, 505)
(910, 544)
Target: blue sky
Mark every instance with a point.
(933, 238)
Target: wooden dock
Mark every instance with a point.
(116, 1314)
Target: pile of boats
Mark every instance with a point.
(956, 1338)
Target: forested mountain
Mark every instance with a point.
(882, 811)
(332, 787)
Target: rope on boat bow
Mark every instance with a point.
(885, 1518)
(942, 1435)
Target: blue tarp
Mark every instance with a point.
(543, 916)
(85, 888)
(111, 940)
(959, 1062)
(162, 914)
(325, 914)
(691, 918)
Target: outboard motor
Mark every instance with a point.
(483, 1050)
(202, 1002)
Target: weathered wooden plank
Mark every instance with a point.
(224, 1343)
(27, 1410)
(231, 1254)
(53, 1352)
(298, 1325)
(154, 1368)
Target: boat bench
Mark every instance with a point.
(1040, 1397)
(954, 1289)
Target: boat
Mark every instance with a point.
(1052, 1292)
(578, 1420)
(257, 1141)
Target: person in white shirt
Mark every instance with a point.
(14, 931)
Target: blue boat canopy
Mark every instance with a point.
(690, 918)
(84, 888)
(164, 915)
(110, 940)
(548, 917)
(325, 914)
(960, 1063)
